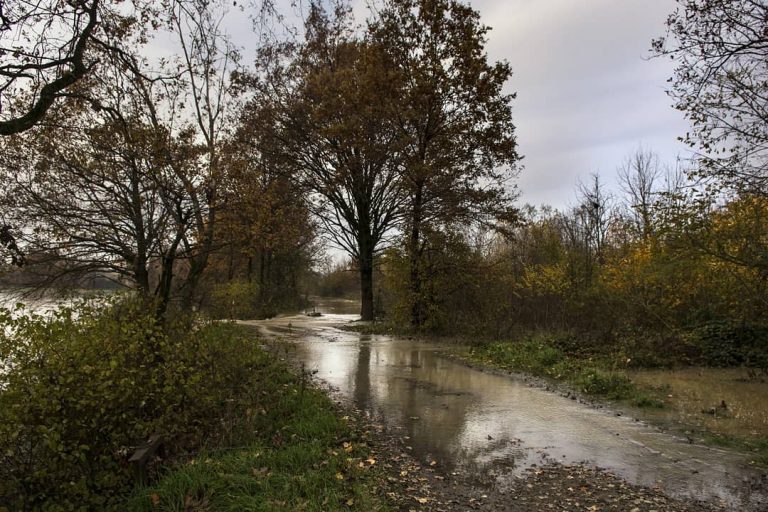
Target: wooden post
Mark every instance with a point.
(142, 456)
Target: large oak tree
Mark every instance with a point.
(331, 110)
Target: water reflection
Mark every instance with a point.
(480, 422)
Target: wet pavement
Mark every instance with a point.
(497, 426)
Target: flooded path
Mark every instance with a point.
(497, 426)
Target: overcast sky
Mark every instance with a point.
(587, 93)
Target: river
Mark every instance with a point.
(41, 302)
(497, 425)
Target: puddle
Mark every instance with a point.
(469, 420)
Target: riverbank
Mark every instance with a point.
(305, 454)
(88, 386)
(332, 456)
(687, 401)
(718, 407)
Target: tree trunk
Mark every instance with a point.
(414, 239)
(366, 290)
(190, 286)
(141, 275)
(366, 278)
(262, 274)
(163, 292)
(231, 263)
(197, 265)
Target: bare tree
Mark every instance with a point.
(721, 84)
(43, 46)
(639, 175)
(207, 61)
(133, 181)
(88, 198)
(586, 229)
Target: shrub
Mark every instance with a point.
(234, 299)
(725, 343)
(606, 384)
(533, 356)
(645, 348)
(82, 388)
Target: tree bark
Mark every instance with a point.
(366, 278)
(141, 275)
(417, 302)
(163, 292)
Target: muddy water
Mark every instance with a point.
(495, 426)
(690, 391)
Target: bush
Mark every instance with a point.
(234, 299)
(82, 388)
(534, 356)
(539, 356)
(605, 384)
(645, 348)
(725, 343)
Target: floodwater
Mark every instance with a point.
(495, 426)
(42, 303)
(690, 391)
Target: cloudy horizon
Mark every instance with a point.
(588, 93)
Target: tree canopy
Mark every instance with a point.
(721, 85)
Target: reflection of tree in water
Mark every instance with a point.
(362, 384)
(482, 424)
(425, 395)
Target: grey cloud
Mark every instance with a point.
(587, 94)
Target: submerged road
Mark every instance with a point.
(471, 420)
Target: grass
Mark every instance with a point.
(598, 377)
(755, 447)
(300, 454)
(378, 327)
(536, 356)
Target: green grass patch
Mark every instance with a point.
(540, 357)
(386, 328)
(303, 457)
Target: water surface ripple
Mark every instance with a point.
(470, 420)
